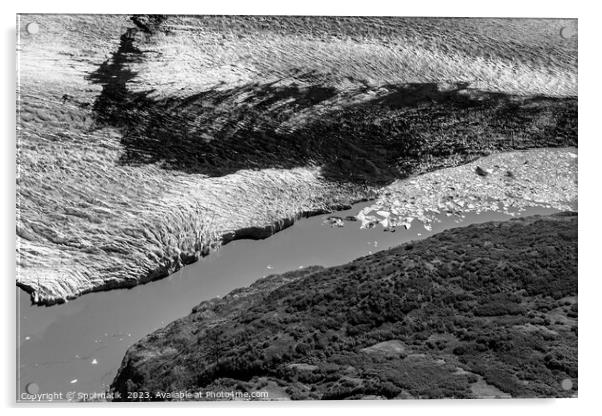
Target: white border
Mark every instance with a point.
(505, 8)
(589, 192)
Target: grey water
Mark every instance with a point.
(78, 346)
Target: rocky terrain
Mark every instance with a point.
(145, 142)
(486, 310)
(506, 182)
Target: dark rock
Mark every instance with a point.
(481, 172)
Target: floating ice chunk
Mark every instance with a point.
(366, 211)
(269, 267)
(94, 361)
(335, 222)
(362, 218)
(368, 222)
(73, 381)
(383, 213)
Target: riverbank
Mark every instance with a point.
(488, 310)
(86, 338)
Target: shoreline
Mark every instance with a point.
(382, 201)
(281, 301)
(85, 327)
(249, 233)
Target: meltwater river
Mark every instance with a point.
(78, 346)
